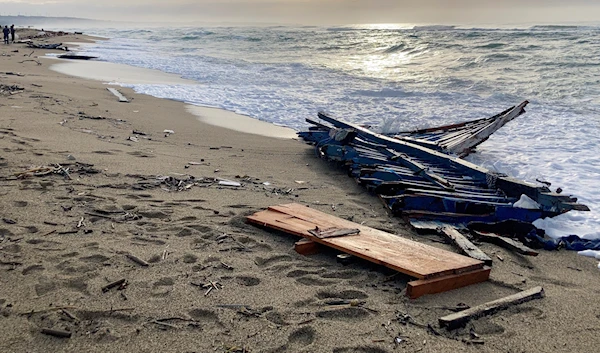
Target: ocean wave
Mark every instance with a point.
(395, 48)
(491, 46)
(554, 27)
(434, 28)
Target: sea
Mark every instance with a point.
(400, 77)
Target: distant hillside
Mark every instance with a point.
(38, 21)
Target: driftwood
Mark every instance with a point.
(137, 260)
(464, 244)
(56, 333)
(36, 61)
(114, 284)
(505, 242)
(118, 95)
(459, 319)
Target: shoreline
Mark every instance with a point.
(119, 75)
(63, 240)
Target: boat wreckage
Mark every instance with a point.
(421, 176)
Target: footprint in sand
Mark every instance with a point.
(344, 314)
(264, 262)
(140, 154)
(302, 337)
(240, 206)
(276, 318)
(70, 254)
(146, 241)
(298, 339)
(484, 326)
(45, 286)
(360, 349)
(344, 274)
(190, 258)
(19, 203)
(201, 228)
(247, 281)
(163, 282)
(185, 232)
(97, 258)
(5, 233)
(204, 316)
(32, 269)
(200, 244)
(311, 280)
(79, 284)
(12, 248)
(345, 294)
(251, 243)
(70, 267)
(43, 243)
(188, 219)
(138, 196)
(162, 287)
(300, 273)
(154, 214)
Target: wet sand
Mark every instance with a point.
(212, 282)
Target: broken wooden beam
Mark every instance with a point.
(464, 244)
(441, 284)
(459, 319)
(118, 95)
(505, 242)
(306, 247)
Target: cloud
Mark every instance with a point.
(313, 11)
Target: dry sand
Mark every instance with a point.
(63, 240)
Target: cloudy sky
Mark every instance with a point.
(315, 11)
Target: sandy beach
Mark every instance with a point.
(89, 185)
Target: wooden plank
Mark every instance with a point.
(307, 247)
(403, 255)
(464, 244)
(507, 243)
(421, 287)
(459, 319)
(118, 95)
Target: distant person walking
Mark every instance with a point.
(6, 32)
(12, 33)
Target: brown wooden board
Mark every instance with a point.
(306, 247)
(401, 254)
(459, 319)
(421, 287)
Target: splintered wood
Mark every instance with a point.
(437, 270)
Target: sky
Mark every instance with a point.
(315, 12)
